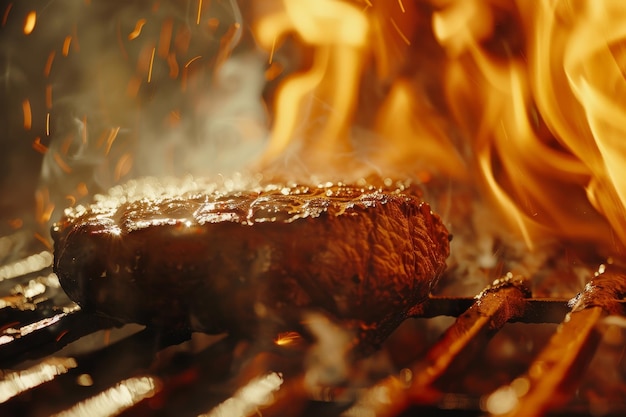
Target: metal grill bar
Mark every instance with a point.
(46, 329)
(457, 346)
(48, 335)
(553, 375)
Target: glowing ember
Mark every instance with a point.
(28, 117)
(137, 31)
(287, 338)
(29, 24)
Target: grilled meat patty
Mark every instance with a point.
(232, 258)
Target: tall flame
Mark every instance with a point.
(578, 83)
(325, 94)
(534, 90)
(519, 102)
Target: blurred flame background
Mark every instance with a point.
(508, 110)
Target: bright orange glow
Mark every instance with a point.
(199, 12)
(150, 67)
(396, 123)
(519, 102)
(66, 144)
(523, 101)
(273, 71)
(39, 147)
(29, 23)
(288, 338)
(338, 31)
(137, 31)
(48, 67)
(66, 46)
(192, 60)
(402, 35)
(61, 335)
(401, 6)
(28, 116)
(271, 58)
(43, 206)
(111, 138)
(183, 83)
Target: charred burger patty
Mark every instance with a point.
(228, 258)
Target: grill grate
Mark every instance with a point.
(55, 358)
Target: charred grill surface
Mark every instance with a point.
(193, 377)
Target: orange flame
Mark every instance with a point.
(338, 31)
(523, 100)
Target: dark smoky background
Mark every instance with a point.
(21, 75)
(99, 92)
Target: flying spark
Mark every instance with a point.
(171, 61)
(28, 116)
(272, 51)
(404, 38)
(199, 12)
(137, 31)
(151, 64)
(38, 146)
(66, 45)
(5, 16)
(29, 24)
(111, 139)
(62, 164)
(401, 6)
(48, 67)
(192, 60)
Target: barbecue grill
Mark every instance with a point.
(508, 351)
(56, 358)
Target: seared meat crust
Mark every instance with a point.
(233, 259)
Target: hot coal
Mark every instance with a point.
(244, 259)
